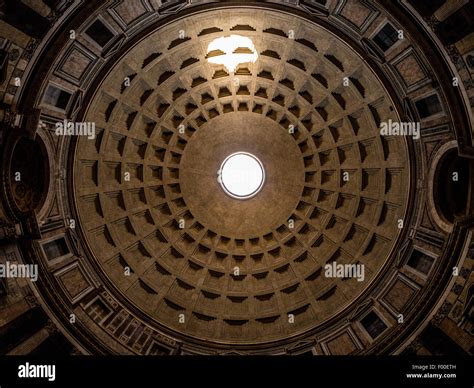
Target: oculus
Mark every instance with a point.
(241, 175)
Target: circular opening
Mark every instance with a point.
(241, 175)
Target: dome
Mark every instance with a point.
(239, 178)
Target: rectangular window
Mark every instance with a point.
(3, 287)
(428, 106)
(99, 33)
(98, 310)
(373, 324)
(158, 350)
(386, 37)
(420, 262)
(3, 65)
(56, 97)
(456, 26)
(426, 8)
(56, 248)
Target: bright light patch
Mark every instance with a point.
(231, 51)
(241, 175)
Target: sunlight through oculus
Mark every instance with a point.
(231, 51)
(241, 175)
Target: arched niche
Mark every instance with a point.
(28, 175)
(450, 186)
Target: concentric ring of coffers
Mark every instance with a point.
(240, 284)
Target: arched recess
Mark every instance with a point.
(52, 173)
(27, 175)
(450, 186)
